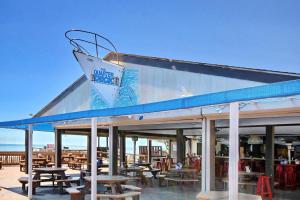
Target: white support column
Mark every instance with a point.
(233, 150)
(210, 155)
(30, 131)
(203, 156)
(94, 159)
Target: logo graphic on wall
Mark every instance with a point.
(105, 76)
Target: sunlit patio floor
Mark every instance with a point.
(11, 189)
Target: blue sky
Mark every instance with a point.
(37, 63)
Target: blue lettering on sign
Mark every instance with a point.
(104, 77)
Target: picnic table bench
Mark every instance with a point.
(244, 183)
(24, 181)
(60, 182)
(76, 193)
(180, 180)
(134, 195)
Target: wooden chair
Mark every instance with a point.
(289, 177)
(264, 187)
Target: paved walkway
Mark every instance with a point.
(11, 189)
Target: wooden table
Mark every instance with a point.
(223, 195)
(67, 158)
(182, 172)
(40, 161)
(148, 165)
(81, 159)
(52, 171)
(137, 170)
(245, 179)
(114, 182)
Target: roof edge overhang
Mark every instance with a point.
(276, 90)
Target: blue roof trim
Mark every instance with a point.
(281, 89)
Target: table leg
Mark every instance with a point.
(52, 177)
(63, 176)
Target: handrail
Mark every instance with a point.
(75, 43)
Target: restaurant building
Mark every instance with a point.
(151, 79)
(235, 118)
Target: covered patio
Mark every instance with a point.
(262, 106)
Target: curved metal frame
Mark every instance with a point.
(75, 42)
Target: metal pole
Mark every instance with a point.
(233, 150)
(203, 156)
(149, 150)
(96, 45)
(30, 131)
(134, 151)
(94, 159)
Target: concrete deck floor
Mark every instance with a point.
(11, 189)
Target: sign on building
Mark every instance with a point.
(105, 76)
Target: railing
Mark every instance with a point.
(14, 158)
(98, 41)
(11, 158)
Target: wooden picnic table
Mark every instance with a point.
(143, 164)
(223, 195)
(244, 173)
(81, 159)
(49, 170)
(154, 171)
(184, 171)
(67, 158)
(40, 161)
(114, 182)
(131, 169)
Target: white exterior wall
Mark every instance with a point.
(77, 100)
(155, 84)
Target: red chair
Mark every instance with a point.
(242, 165)
(197, 166)
(290, 177)
(263, 187)
(279, 177)
(158, 165)
(225, 168)
(298, 175)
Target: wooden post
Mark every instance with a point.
(58, 136)
(270, 133)
(149, 150)
(233, 150)
(26, 151)
(170, 148)
(180, 142)
(89, 152)
(30, 132)
(122, 149)
(94, 159)
(113, 150)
